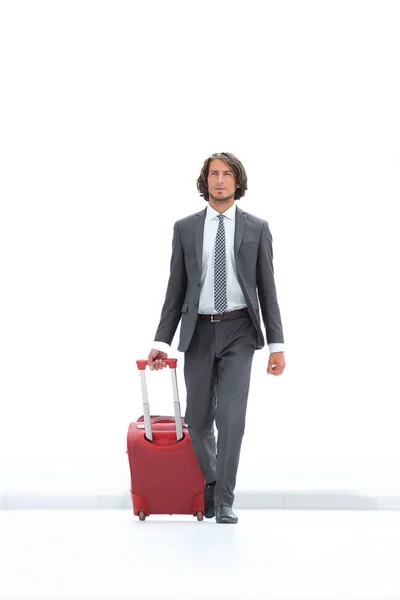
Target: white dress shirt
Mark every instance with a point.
(235, 296)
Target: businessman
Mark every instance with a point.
(221, 274)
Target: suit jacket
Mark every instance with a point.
(254, 263)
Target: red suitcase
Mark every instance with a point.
(165, 475)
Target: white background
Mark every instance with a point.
(108, 110)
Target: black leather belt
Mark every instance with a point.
(233, 314)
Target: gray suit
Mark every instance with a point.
(218, 356)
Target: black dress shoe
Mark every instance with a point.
(209, 509)
(224, 514)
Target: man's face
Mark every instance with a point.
(221, 181)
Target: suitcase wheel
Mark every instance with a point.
(142, 515)
(199, 515)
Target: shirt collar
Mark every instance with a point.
(229, 214)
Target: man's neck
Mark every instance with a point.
(221, 207)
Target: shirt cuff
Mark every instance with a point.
(161, 346)
(276, 347)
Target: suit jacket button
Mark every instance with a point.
(196, 304)
(198, 284)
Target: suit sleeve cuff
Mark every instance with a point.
(161, 346)
(276, 347)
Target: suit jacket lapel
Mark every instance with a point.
(198, 235)
(240, 225)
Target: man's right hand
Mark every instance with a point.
(156, 359)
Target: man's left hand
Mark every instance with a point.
(276, 363)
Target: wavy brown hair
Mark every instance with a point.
(234, 163)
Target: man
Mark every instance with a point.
(221, 273)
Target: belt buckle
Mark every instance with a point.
(214, 320)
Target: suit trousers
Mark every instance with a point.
(217, 368)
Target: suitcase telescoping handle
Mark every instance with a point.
(171, 362)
